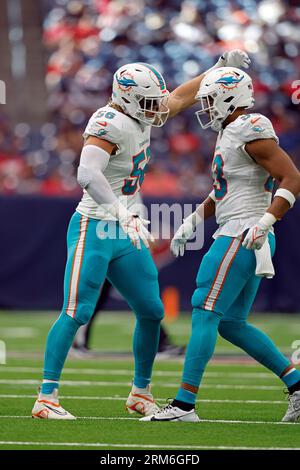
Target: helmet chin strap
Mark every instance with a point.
(116, 106)
(217, 125)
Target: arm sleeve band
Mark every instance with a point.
(93, 162)
(287, 195)
(94, 157)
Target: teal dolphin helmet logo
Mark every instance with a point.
(230, 81)
(126, 82)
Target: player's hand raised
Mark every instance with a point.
(256, 237)
(235, 58)
(136, 229)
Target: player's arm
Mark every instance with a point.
(184, 96)
(94, 159)
(279, 165)
(185, 231)
(109, 147)
(209, 206)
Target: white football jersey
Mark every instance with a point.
(243, 189)
(126, 167)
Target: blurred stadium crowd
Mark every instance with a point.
(86, 41)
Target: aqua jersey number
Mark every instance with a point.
(136, 178)
(219, 183)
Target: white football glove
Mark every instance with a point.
(235, 58)
(135, 228)
(258, 234)
(184, 233)
(256, 237)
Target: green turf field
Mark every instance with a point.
(240, 403)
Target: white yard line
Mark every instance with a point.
(138, 446)
(122, 372)
(18, 332)
(70, 397)
(116, 418)
(86, 383)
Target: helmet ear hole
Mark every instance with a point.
(229, 99)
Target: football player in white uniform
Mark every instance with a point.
(247, 158)
(107, 237)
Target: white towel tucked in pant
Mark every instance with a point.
(264, 264)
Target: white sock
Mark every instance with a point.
(141, 391)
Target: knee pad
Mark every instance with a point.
(150, 310)
(207, 315)
(83, 313)
(228, 328)
(199, 298)
(80, 303)
(199, 302)
(67, 318)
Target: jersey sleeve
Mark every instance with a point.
(104, 125)
(257, 127)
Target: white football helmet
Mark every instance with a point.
(221, 92)
(140, 90)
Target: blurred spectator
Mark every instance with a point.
(86, 41)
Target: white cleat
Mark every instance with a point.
(293, 412)
(48, 407)
(172, 413)
(141, 401)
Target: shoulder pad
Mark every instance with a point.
(255, 127)
(105, 124)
